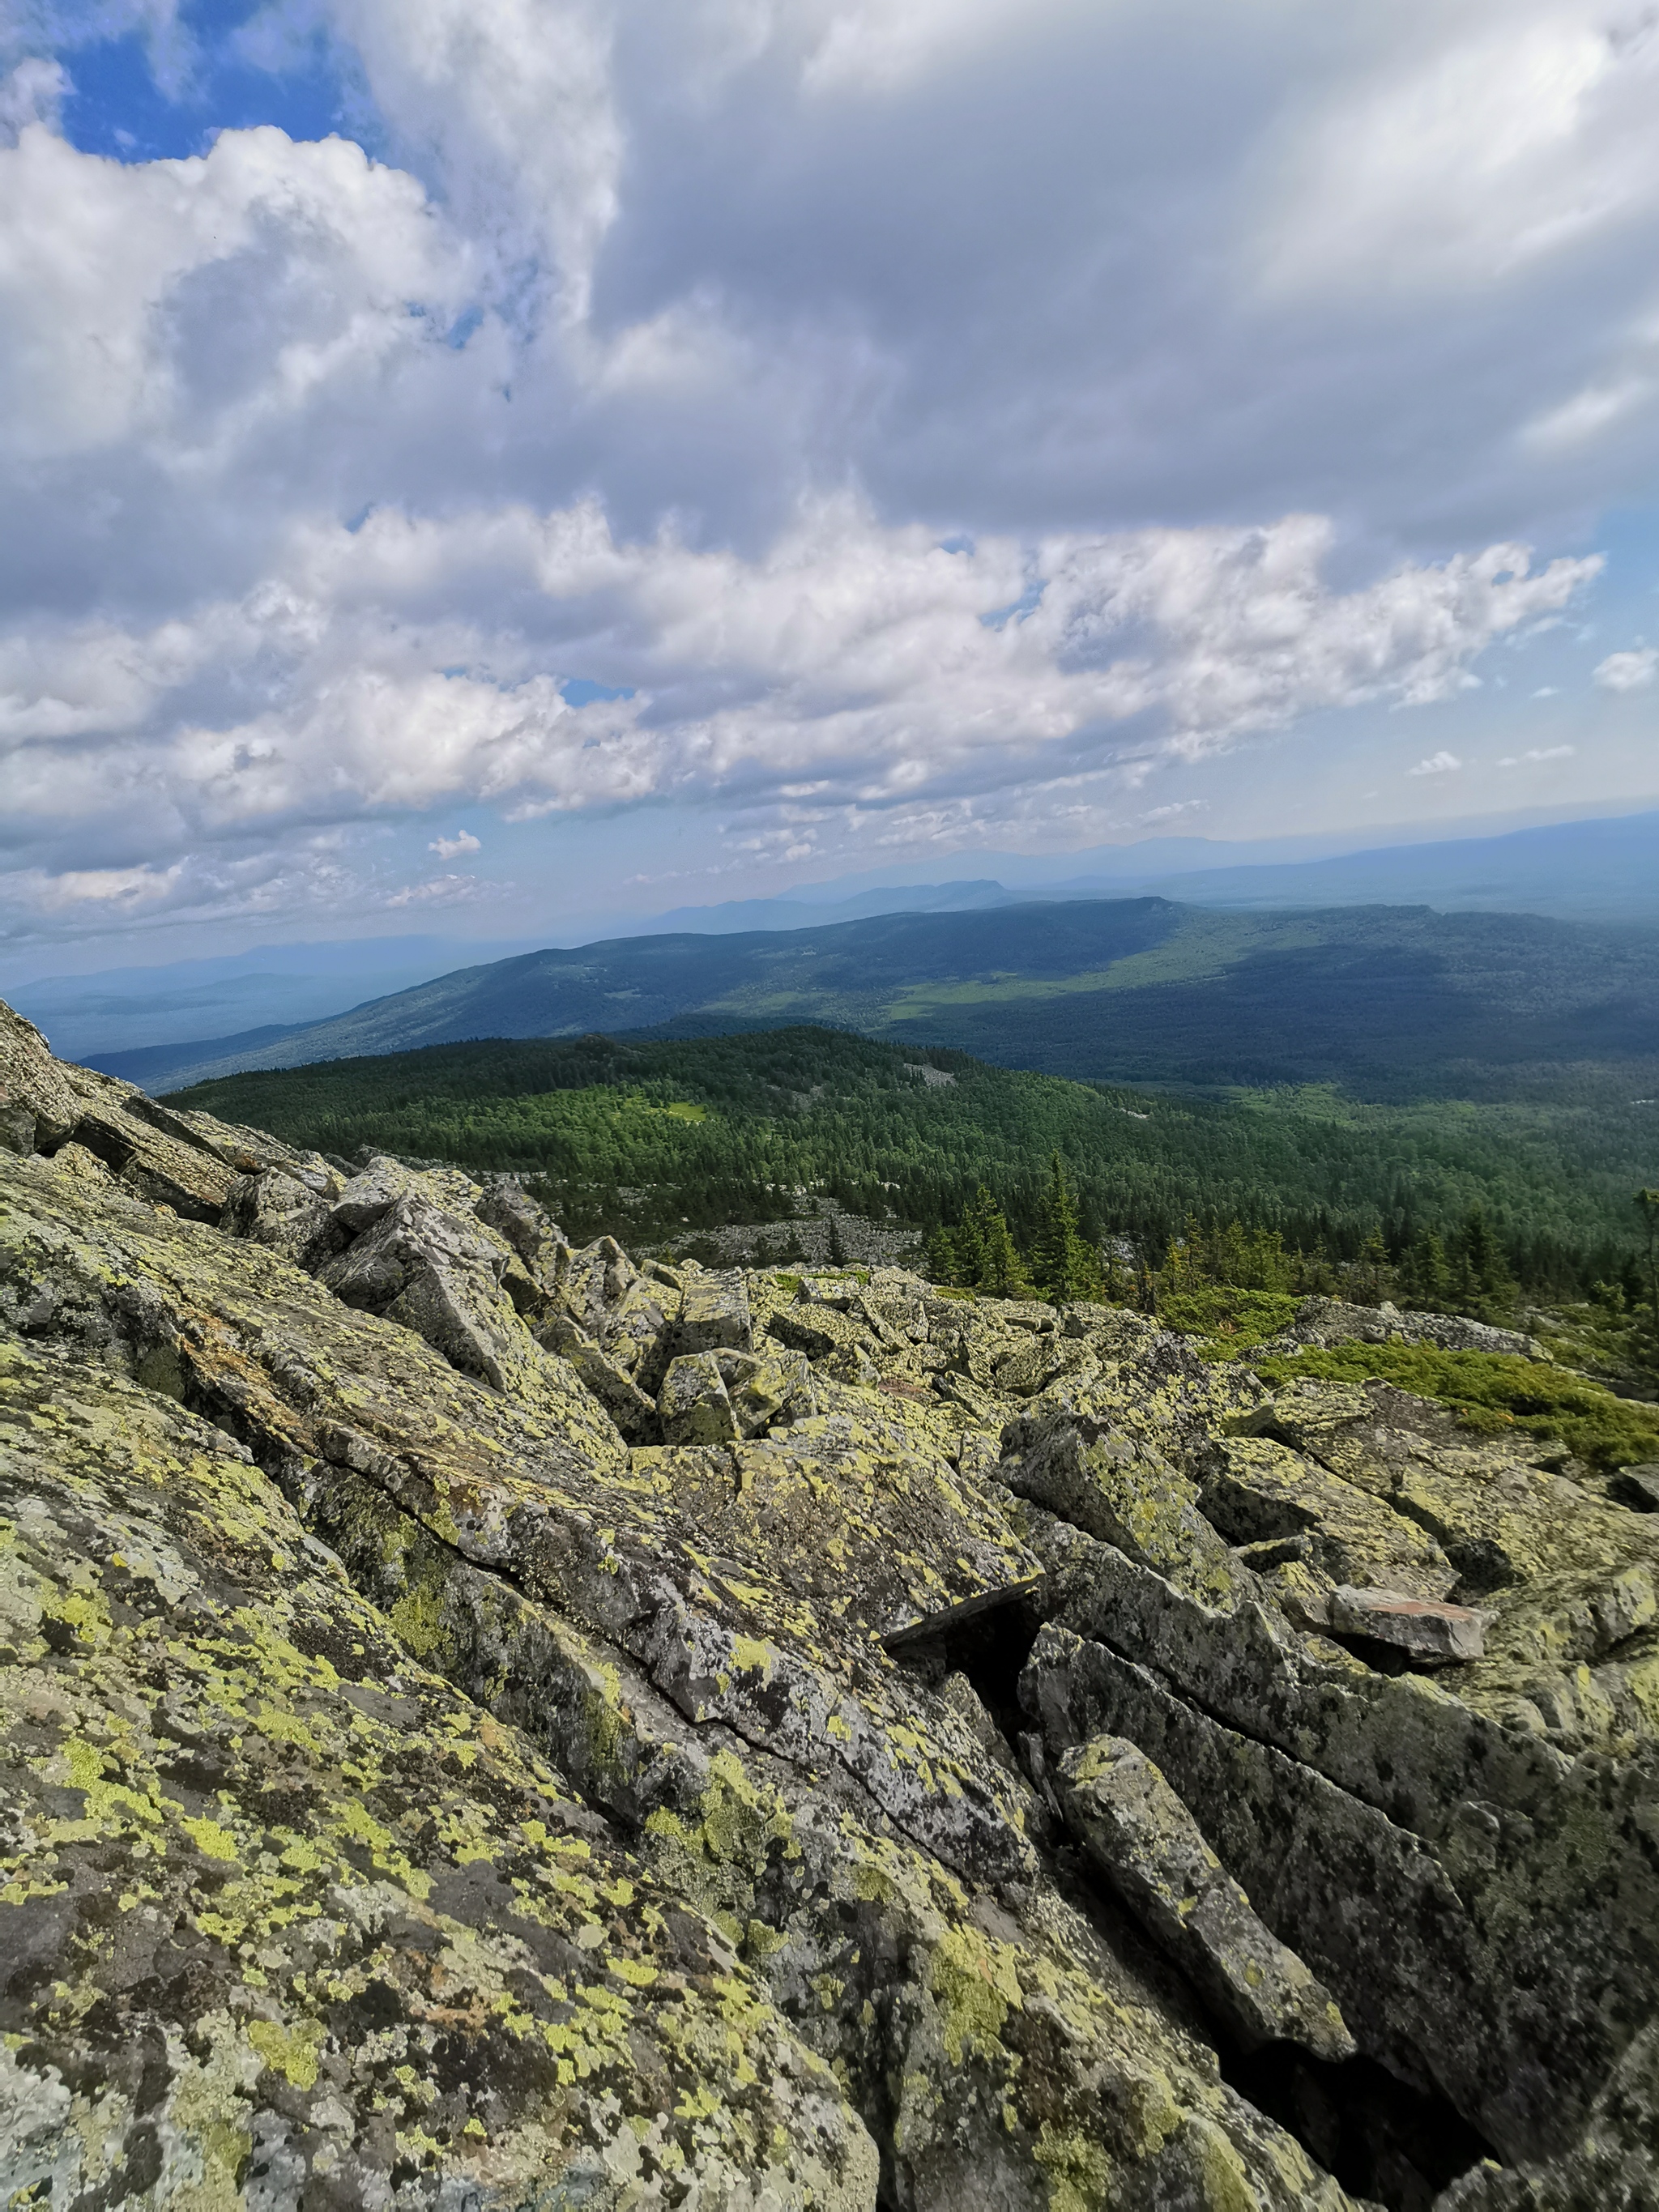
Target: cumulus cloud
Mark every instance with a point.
(1538, 753)
(1628, 672)
(849, 665)
(670, 352)
(450, 848)
(1440, 764)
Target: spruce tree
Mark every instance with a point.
(1426, 1276)
(1001, 1271)
(1064, 1265)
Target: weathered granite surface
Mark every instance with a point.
(493, 1724)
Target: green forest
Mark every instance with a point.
(660, 1140)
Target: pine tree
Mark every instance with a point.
(940, 1258)
(1648, 1200)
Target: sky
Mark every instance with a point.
(470, 464)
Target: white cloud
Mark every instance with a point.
(1538, 753)
(1627, 671)
(1440, 764)
(1497, 135)
(846, 665)
(662, 348)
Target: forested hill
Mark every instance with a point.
(1389, 1002)
(652, 1138)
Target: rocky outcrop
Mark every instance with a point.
(1321, 1321)
(493, 1723)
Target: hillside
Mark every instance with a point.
(659, 1139)
(1390, 1003)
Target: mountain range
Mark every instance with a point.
(1389, 1001)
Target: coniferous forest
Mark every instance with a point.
(1442, 1203)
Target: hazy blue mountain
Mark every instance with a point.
(1603, 870)
(274, 986)
(1387, 1001)
(1599, 869)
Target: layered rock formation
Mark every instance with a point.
(490, 1724)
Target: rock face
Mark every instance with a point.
(488, 1724)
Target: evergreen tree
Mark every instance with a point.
(1373, 1279)
(1002, 1272)
(1648, 1200)
(1426, 1276)
(939, 1258)
(1482, 1281)
(1063, 1263)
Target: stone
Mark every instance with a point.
(506, 1208)
(714, 1315)
(634, 1414)
(439, 1274)
(1638, 1486)
(1428, 1633)
(1319, 1321)
(815, 1695)
(1149, 1847)
(275, 1209)
(1255, 1490)
(1122, 1491)
(696, 1636)
(692, 1405)
(368, 1938)
(38, 1108)
(767, 1389)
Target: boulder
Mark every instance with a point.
(275, 1209)
(1123, 1491)
(692, 1404)
(506, 1208)
(714, 1313)
(371, 1949)
(1255, 1491)
(1148, 1848)
(429, 1787)
(38, 1108)
(1429, 1634)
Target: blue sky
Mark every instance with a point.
(488, 462)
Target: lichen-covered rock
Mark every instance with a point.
(1320, 1321)
(767, 1389)
(692, 1404)
(283, 1911)
(37, 1106)
(506, 1208)
(1255, 1490)
(773, 1680)
(1151, 1850)
(276, 1209)
(1428, 1633)
(1126, 1493)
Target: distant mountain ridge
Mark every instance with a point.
(1391, 1001)
(1598, 870)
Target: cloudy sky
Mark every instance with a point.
(473, 463)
